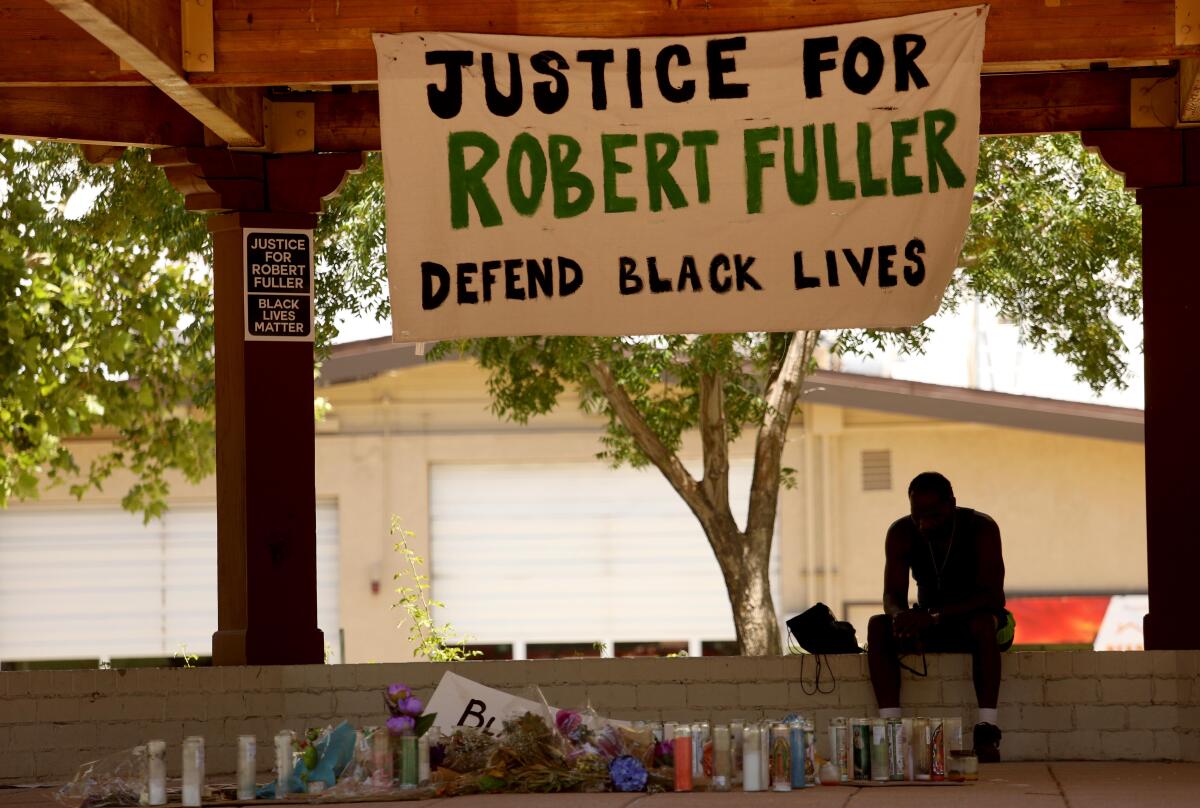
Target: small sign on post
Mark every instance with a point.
(279, 284)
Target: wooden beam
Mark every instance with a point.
(38, 46)
(148, 35)
(1056, 102)
(144, 116)
(272, 43)
(349, 122)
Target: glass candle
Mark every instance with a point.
(922, 766)
(156, 772)
(381, 756)
(141, 774)
(860, 749)
(407, 760)
(751, 750)
(423, 760)
(247, 748)
(838, 748)
(682, 748)
(283, 763)
(193, 770)
(722, 764)
(700, 732)
(937, 750)
(781, 758)
(967, 765)
(879, 749)
(799, 742)
(764, 755)
(810, 750)
(736, 729)
(906, 728)
(897, 749)
(952, 730)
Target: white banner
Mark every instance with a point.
(770, 181)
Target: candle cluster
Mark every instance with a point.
(781, 755)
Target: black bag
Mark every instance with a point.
(818, 633)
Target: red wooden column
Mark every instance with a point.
(266, 495)
(1164, 165)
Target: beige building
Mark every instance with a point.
(538, 548)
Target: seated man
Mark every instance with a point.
(955, 556)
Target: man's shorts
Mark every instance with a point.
(953, 635)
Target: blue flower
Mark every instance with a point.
(627, 773)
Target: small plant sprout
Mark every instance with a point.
(433, 641)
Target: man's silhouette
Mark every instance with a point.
(954, 554)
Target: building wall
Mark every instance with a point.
(1071, 509)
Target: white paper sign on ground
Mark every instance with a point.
(808, 178)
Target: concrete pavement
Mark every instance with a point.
(1003, 785)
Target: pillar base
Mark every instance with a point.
(1170, 635)
(282, 646)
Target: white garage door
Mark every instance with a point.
(96, 583)
(575, 552)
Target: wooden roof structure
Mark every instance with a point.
(231, 72)
(258, 108)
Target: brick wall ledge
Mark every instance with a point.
(1077, 705)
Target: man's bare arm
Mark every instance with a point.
(895, 572)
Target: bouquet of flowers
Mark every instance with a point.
(405, 711)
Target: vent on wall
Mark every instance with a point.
(877, 470)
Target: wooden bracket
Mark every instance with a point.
(289, 127)
(196, 20)
(101, 154)
(1153, 102)
(1187, 22)
(1189, 90)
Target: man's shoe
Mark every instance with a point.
(987, 743)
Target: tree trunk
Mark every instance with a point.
(748, 584)
(743, 556)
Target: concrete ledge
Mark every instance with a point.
(1077, 705)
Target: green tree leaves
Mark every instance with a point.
(105, 327)
(1055, 245)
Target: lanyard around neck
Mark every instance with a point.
(937, 570)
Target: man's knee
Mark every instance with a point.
(879, 631)
(982, 627)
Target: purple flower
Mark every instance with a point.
(398, 693)
(410, 706)
(569, 723)
(400, 725)
(627, 773)
(664, 754)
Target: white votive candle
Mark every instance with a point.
(246, 766)
(283, 763)
(193, 770)
(156, 766)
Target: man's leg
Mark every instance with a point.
(985, 658)
(884, 662)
